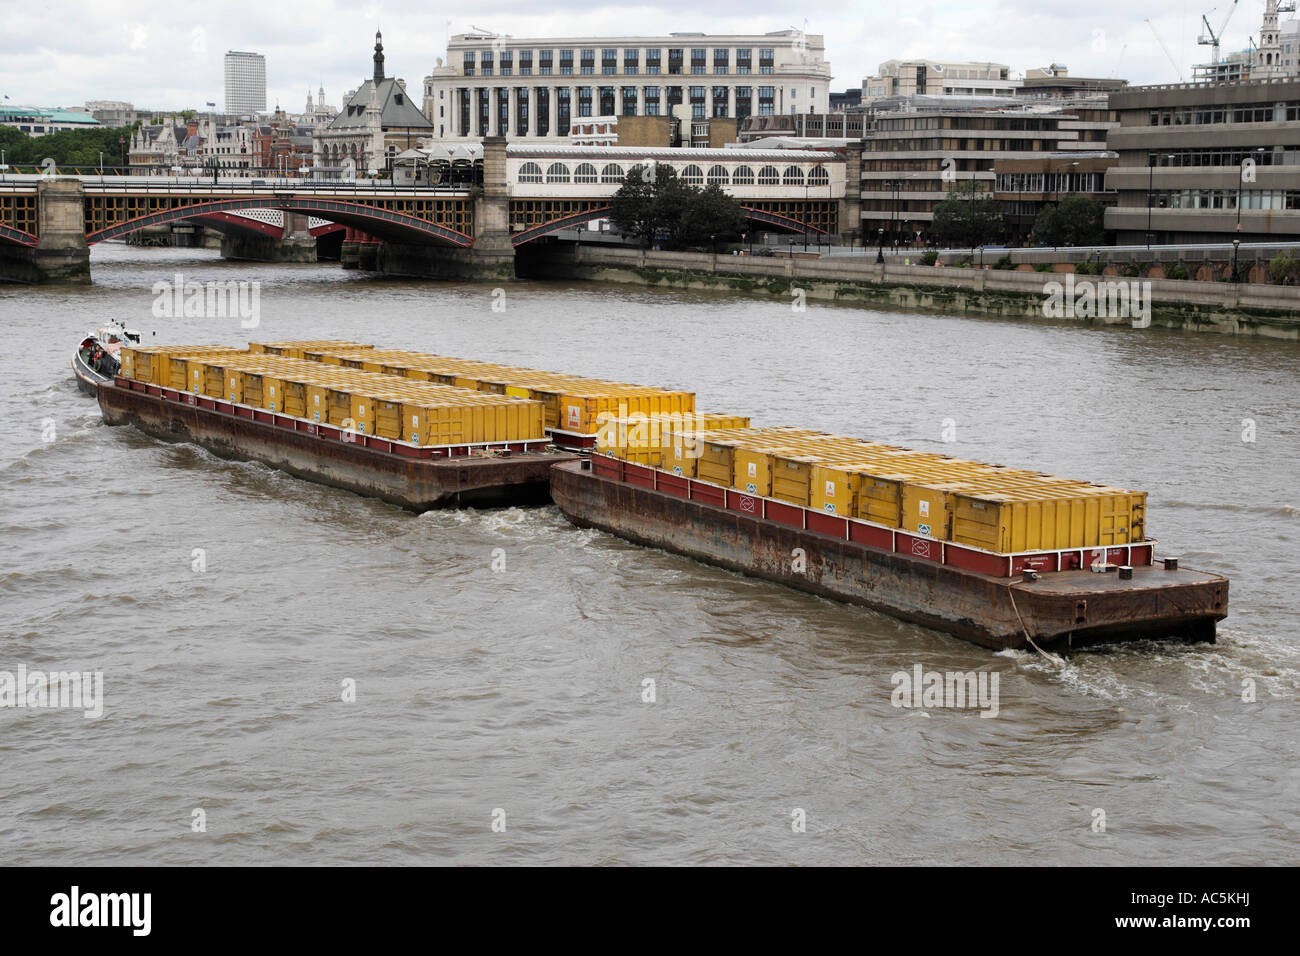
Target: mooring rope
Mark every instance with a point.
(1029, 637)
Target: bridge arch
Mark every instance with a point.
(771, 219)
(378, 222)
(11, 236)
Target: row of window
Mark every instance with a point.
(938, 144)
(1246, 113)
(967, 122)
(1227, 199)
(1093, 182)
(1225, 157)
(691, 175)
(602, 101)
(488, 62)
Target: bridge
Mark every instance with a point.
(529, 194)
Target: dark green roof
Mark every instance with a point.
(397, 111)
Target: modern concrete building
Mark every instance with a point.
(933, 77)
(537, 89)
(1026, 186)
(915, 155)
(1206, 162)
(245, 82)
(853, 125)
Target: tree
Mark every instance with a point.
(1074, 221)
(655, 205)
(969, 217)
(75, 147)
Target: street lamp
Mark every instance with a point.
(880, 252)
(1236, 244)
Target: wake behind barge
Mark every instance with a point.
(995, 600)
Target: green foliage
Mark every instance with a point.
(1177, 271)
(969, 217)
(929, 257)
(1282, 269)
(963, 262)
(75, 147)
(1004, 262)
(1074, 221)
(1135, 270)
(1042, 267)
(659, 205)
(1088, 267)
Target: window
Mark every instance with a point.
(697, 61)
(769, 176)
(525, 62)
(744, 102)
(507, 62)
(766, 62)
(544, 62)
(629, 101)
(606, 101)
(652, 101)
(766, 100)
(697, 102)
(608, 61)
(558, 173)
(584, 101)
(631, 61)
(485, 63)
(587, 65)
(721, 60)
(652, 62)
(530, 173)
(743, 61)
(612, 173)
(566, 62)
(743, 176)
(717, 176)
(819, 177)
(468, 68)
(674, 62)
(585, 173)
(692, 175)
(719, 101)
(792, 177)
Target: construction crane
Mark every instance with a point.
(1172, 62)
(1209, 37)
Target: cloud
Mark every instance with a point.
(169, 56)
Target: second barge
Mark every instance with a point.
(416, 477)
(995, 600)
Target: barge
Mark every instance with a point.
(1063, 598)
(418, 477)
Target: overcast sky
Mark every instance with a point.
(167, 54)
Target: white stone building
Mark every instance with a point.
(536, 89)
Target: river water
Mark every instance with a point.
(516, 695)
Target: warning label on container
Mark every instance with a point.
(923, 528)
(925, 508)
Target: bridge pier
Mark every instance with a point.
(61, 254)
(297, 244)
(491, 258)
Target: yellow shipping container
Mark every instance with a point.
(834, 488)
(792, 478)
(362, 412)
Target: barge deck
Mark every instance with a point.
(1011, 606)
(414, 477)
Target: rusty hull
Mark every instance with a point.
(1067, 608)
(418, 484)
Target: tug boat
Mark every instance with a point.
(96, 359)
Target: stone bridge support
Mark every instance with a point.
(492, 257)
(61, 255)
(296, 244)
